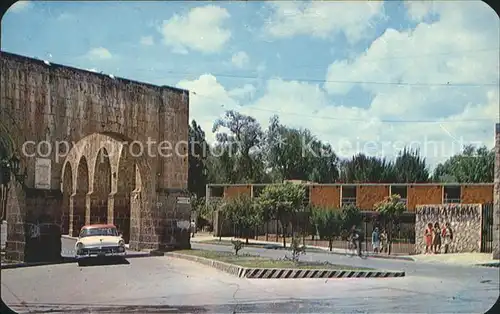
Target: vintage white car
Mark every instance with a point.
(99, 240)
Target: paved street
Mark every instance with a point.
(168, 285)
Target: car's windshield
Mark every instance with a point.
(90, 232)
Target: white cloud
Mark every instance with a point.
(248, 90)
(240, 59)
(208, 101)
(20, 6)
(323, 19)
(99, 53)
(147, 40)
(202, 29)
(440, 52)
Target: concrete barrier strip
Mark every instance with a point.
(271, 273)
(284, 273)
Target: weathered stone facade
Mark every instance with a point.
(496, 196)
(465, 222)
(106, 137)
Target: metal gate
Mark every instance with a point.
(487, 228)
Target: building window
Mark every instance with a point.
(257, 190)
(217, 191)
(401, 190)
(348, 195)
(452, 195)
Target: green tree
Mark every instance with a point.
(410, 167)
(361, 168)
(390, 210)
(243, 213)
(350, 216)
(295, 154)
(328, 223)
(243, 138)
(473, 165)
(198, 150)
(283, 202)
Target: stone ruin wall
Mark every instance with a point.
(465, 222)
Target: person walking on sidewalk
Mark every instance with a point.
(376, 240)
(383, 241)
(193, 228)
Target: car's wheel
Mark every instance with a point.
(81, 263)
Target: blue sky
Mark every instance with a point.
(332, 67)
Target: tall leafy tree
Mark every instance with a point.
(295, 154)
(243, 140)
(222, 164)
(198, 150)
(410, 167)
(473, 165)
(362, 168)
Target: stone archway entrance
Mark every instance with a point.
(102, 189)
(106, 186)
(97, 112)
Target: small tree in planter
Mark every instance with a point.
(390, 209)
(297, 250)
(237, 246)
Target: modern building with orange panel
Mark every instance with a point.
(366, 195)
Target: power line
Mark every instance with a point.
(447, 84)
(311, 80)
(453, 54)
(353, 119)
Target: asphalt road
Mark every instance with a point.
(169, 285)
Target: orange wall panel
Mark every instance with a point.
(233, 191)
(424, 194)
(325, 196)
(477, 194)
(368, 195)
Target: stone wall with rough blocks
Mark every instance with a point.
(465, 221)
(83, 116)
(496, 196)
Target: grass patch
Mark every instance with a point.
(257, 245)
(255, 261)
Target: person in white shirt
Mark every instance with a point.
(193, 228)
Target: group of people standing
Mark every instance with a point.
(379, 240)
(434, 235)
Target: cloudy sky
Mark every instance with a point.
(366, 77)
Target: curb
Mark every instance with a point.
(401, 258)
(273, 246)
(286, 273)
(65, 260)
(489, 264)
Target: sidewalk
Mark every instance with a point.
(203, 237)
(457, 258)
(466, 259)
